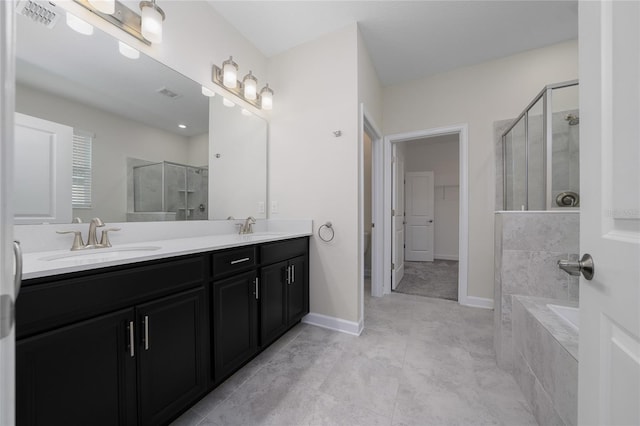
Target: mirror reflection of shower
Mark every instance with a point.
(541, 147)
(170, 191)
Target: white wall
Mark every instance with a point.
(478, 95)
(441, 155)
(198, 150)
(116, 138)
(313, 174)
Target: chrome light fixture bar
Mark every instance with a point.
(247, 89)
(123, 17)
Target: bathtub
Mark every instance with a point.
(568, 314)
(546, 338)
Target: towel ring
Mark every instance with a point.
(326, 233)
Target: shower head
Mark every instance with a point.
(572, 119)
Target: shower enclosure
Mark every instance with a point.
(178, 189)
(540, 152)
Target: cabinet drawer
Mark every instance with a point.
(49, 305)
(234, 260)
(282, 250)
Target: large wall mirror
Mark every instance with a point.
(101, 134)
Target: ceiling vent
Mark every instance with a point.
(41, 12)
(168, 93)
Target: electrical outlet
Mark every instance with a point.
(274, 207)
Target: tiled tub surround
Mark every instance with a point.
(546, 360)
(528, 246)
(173, 239)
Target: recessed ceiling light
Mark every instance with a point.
(182, 126)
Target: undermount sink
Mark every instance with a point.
(100, 254)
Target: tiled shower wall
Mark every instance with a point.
(528, 246)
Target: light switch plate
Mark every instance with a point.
(274, 207)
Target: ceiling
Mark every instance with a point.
(409, 39)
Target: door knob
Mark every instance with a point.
(584, 265)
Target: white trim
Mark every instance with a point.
(446, 256)
(333, 323)
(463, 224)
(478, 302)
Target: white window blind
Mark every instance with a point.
(81, 189)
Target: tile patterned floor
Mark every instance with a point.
(431, 279)
(419, 361)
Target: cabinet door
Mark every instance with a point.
(171, 361)
(273, 302)
(83, 374)
(235, 322)
(298, 290)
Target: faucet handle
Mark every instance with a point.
(104, 238)
(77, 239)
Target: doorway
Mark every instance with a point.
(395, 146)
(430, 188)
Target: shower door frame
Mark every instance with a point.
(547, 149)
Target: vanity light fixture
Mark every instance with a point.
(245, 112)
(128, 51)
(250, 84)
(79, 25)
(146, 28)
(208, 92)
(230, 73)
(247, 89)
(104, 6)
(152, 17)
(226, 102)
(266, 94)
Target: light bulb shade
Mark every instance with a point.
(104, 6)
(79, 25)
(266, 95)
(226, 102)
(230, 73)
(152, 17)
(250, 84)
(128, 51)
(208, 92)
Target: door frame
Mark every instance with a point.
(369, 126)
(462, 130)
(7, 107)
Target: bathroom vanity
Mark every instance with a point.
(140, 342)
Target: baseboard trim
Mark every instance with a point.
(478, 302)
(446, 256)
(333, 323)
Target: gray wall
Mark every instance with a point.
(528, 246)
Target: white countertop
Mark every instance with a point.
(48, 263)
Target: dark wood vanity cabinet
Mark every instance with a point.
(81, 374)
(235, 309)
(255, 307)
(138, 344)
(140, 365)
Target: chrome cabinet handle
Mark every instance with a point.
(233, 262)
(146, 333)
(288, 275)
(584, 265)
(257, 284)
(132, 340)
(293, 273)
(17, 279)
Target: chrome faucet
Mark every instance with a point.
(92, 240)
(247, 227)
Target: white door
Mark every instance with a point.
(43, 155)
(609, 369)
(397, 217)
(7, 291)
(419, 217)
